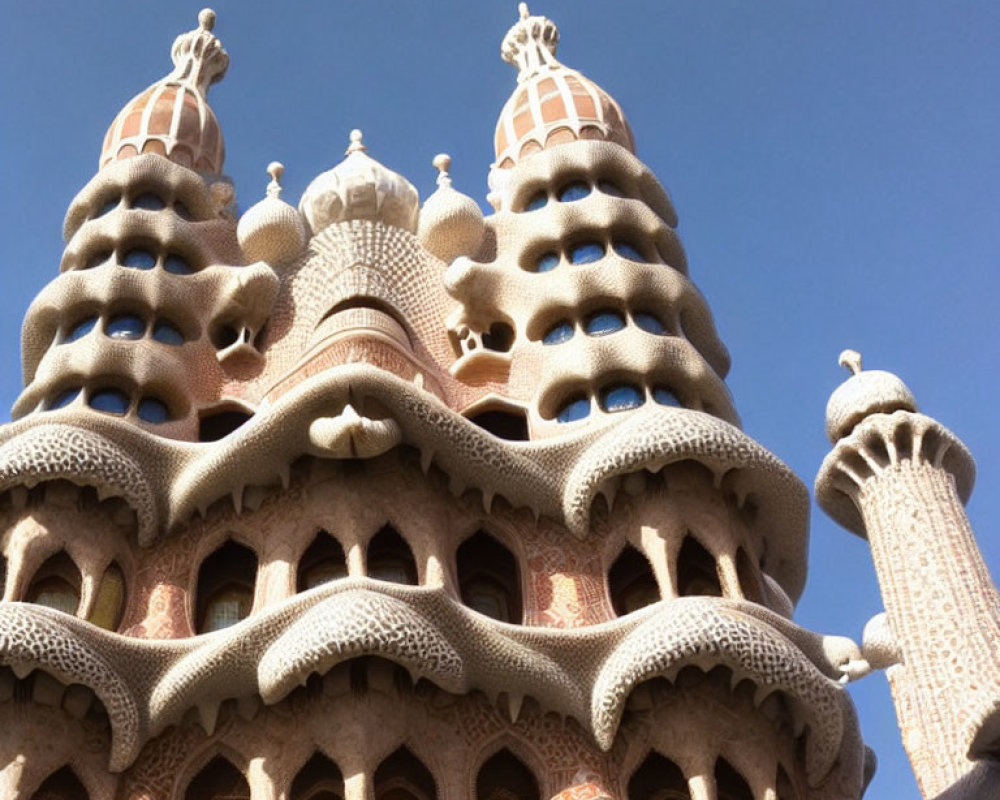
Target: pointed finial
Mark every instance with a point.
(356, 145)
(442, 161)
(522, 9)
(851, 360)
(275, 169)
(530, 44)
(199, 58)
(206, 19)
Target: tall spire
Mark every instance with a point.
(172, 117)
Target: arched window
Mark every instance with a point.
(505, 777)
(319, 779)
(390, 558)
(61, 785)
(696, 570)
(110, 601)
(56, 584)
(488, 578)
(631, 582)
(401, 776)
(219, 780)
(730, 784)
(658, 778)
(322, 562)
(225, 587)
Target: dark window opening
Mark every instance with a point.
(390, 558)
(631, 582)
(61, 785)
(219, 425)
(505, 777)
(322, 562)
(402, 776)
(488, 578)
(697, 573)
(730, 784)
(784, 786)
(225, 587)
(56, 584)
(499, 337)
(224, 336)
(319, 779)
(219, 780)
(658, 778)
(510, 425)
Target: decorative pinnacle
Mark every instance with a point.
(275, 169)
(199, 58)
(851, 360)
(530, 45)
(442, 161)
(356, 145)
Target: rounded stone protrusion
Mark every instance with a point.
(451, 223)
(865, 393)
(271, 230)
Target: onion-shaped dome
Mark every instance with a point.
(864, 393)
(272, 230)
(172, 117)
(451, 223)
(359, 187)
(552, 104)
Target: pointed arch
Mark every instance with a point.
(658, 778)
(56, 584)
(505, 777)
(225, 591)
(319, 779)
(697, 572)
(218, 780)
(402, 776)
(323, 561)
(631, 582)
(730, 784)
(489, 579)
(61, 785)
(390, 558)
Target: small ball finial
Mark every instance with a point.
(206, 19)
(522, 9)
(275, 169)
(442, 162)
(356, 145)
(851, 360)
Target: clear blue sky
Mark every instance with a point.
(836, 168)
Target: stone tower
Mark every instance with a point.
(380, 500)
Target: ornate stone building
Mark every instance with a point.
(375, 498)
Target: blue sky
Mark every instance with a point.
(836, 169)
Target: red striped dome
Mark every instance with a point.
(552, 103)
(172, 117)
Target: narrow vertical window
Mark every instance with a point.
(631, 582)
(322, 562)
(56, 584)
(697, 573)
(390, 558)
(225, 587)
(489, 579)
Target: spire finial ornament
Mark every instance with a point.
(851, 360)
(199, 58)
(530, 45)
(356, 145)
(442, 162)
(275, 169)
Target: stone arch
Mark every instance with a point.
(319, 779)
(225, 590)
(403, 776)
(63, 784)
(218, 779)
(631, 582)
(57, 584)
(324, 560)
(489, 579)
(504, 776)
(730, 785)
(658, 778)
(696, 569)
(390, 557)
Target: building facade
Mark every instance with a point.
(375, 498)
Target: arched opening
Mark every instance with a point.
(504, 423)
(109, 604)
(61, 785)
(696, 570)
(658, 778)
(56, 584)
(631, 582)
(730, 784)
(749, 577)
(225, 587)
(505, 777)
(322, 562)
(488, 578)
(390, 558)
(218, 424)
(219, 780)
(401, 776)
(319, 779)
